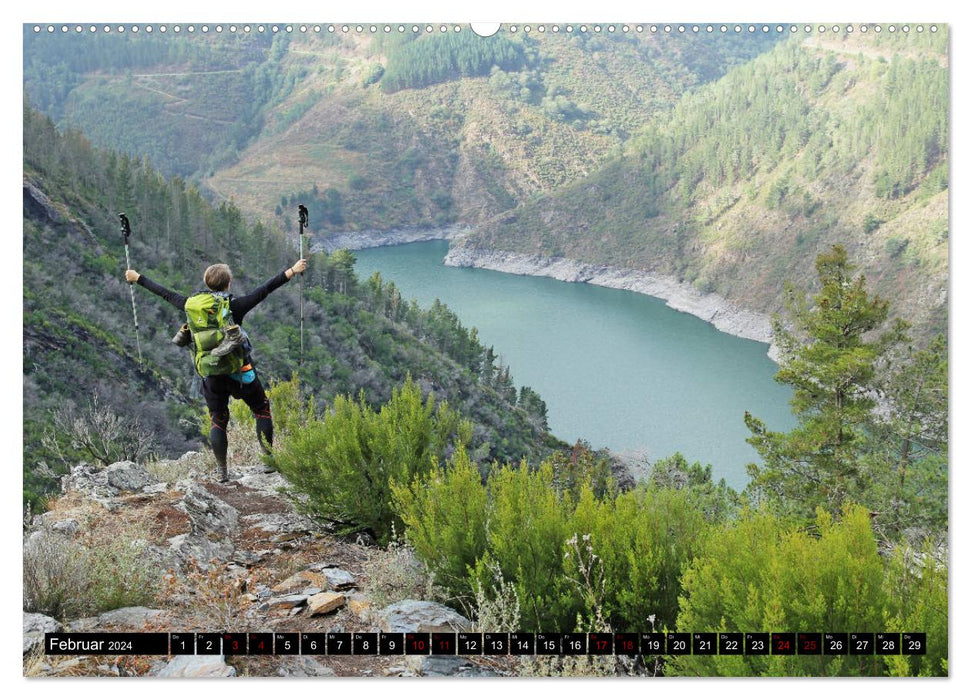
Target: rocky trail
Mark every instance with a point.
(235, 557)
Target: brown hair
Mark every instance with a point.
(218, 277)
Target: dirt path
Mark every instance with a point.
(195, 72)
(173, 106)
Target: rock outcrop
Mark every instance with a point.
(35, 627)
(105, 485)
(197, 667)
(421, 616)
(209, 514)
(216, 555)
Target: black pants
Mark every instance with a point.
(217, 392)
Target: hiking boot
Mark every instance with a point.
(223, 474)
(232, 339)
(183, 337)
(269, 464)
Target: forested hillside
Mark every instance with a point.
(79, 336)
(188, 103)
(820, 141)
(385, 130)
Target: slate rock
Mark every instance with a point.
(89, 481)
(197, 667)
(304, 667)
(338, 579)
(301, 580)
(202, 549)
(38, 204)
(36, 626)
(358, 604)
(452, 666)
(422, 616)
(321, 565)
(396, 671)
(241, 556)
(282, 523)
(68, 526)
(255, 478)
(128, 476)
(287, 601)
(208, 513)
(131, 618)
(326, 602)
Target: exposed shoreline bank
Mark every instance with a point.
(724, 315)
(360, 240)
(715, 309)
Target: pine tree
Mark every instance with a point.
(908, 456)
(829, 359)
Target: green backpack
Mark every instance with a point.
(208, 315)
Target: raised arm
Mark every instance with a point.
(174, 298)
(240, 306)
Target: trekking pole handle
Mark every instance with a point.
(125, 232)
(125, 227)
(304, 221)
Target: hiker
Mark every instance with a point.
(221, 349)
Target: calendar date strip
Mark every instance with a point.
(486, 643)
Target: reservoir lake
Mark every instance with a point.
(618, 369)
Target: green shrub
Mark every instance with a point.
(290, 407)
(718, 501)
(581, 465)
(528, 527)
(445, 517)
(373, 74)
(573, 558)
(895, 246)
(346, 461)
(645, 538)
(762, 574)
(871, 223)
(917, 588)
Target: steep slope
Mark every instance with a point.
(461, 149)
(817, 142)
(79, 336)
(378, 130)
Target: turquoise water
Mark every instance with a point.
(618, 369)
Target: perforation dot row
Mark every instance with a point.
(443, 28)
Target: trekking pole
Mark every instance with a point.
(304, 217)
(126, 232)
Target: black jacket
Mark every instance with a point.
(239, 306)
